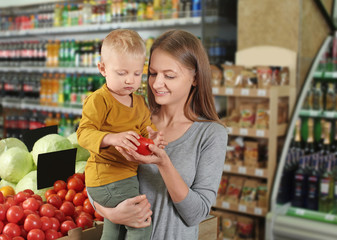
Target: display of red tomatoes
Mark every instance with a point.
(24, 215)
(143, 148)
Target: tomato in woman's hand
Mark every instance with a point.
(36, 234)
(14, 214)
(59, 185)
(143, 148)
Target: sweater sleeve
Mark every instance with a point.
(202, 193)
(89, 135)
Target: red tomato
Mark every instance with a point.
(54, 200)
(84, 222)
(2, 198)
(14, 214)
(29, 191)
(59, 185)
(11, 230)
(37, 197)
(62, 193)
(87, 215)
(75, 183)
(32, 221)
(79, 175)
(70, 195)
(55, 224)
(31, 204)
(67, 208)
(66, 226)
(20, 197)
(23, 232)
(59, 215)
(28, 212)
(143, 148)
(87, 207)
(46, 223)
(36, 234)
(79, 199)
(1, 226)
(98, 217)
(51, 234)
(18, 238)
(3, 210)
(49, 192)
(10, 202)
(4, 237)
(47, 210)
(85, 192)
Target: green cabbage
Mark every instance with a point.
(4, 183)
(82, 153)
(30, 182)
(80, 166)
(8, 143)
(50, 143)
(15, 164)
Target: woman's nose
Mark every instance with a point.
(158, 82)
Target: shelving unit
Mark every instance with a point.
(260, 56)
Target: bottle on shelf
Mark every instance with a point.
(326, 189)
(300, 184)
(313, 184)
(318, 97)
(330, 98)
(309, 147)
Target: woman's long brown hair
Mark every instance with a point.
(189, 51)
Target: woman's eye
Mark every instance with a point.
(169, 77)
(138, 74)
(152, 74)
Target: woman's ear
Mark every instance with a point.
(101, 68)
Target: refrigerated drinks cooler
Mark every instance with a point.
(304, 197)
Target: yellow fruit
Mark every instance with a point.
(7, 191)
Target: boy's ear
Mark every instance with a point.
(101, 68)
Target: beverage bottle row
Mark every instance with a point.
(18, 121)
(310, 174)
(99, 12)
(63, 53)
(321, 96)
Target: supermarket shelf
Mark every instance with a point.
(312, 215)
(319, 114)
(325, 75)
(151, 24)
(241, 208)
(246, 171)
(283, 91)
(85, 70)
(253, 132)
(34, 105)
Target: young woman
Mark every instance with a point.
(181, 181)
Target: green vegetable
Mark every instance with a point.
(80, 166)
(82, 153)
(30, 182)
(50, 143)
(15, 163)
(4, 183)
(8, 143)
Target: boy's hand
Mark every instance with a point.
(127, 140)
(157, 137)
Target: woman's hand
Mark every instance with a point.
(157, 137)
(158, 156)
(133, 212)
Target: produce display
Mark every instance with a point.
(49, 213)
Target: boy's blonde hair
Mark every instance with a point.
(123, 41)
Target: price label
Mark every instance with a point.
(260, 133)
(261, 92)
(258, 211)
(242, 208)
(230, 130)
(243, 131)
(242, 170)
(334, 74)
(313, 113)
(245, 92)
(225, 205)
(215, 90)
(229, 91)
(329, 217)
(227, 168)
(300, 212)
(259, 172)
